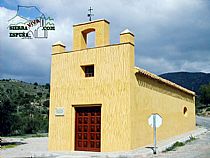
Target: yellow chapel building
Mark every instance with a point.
(99, 100)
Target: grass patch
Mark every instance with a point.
(40, 135)
(190, 140)
(24, 136)
(8, 146)
(174, 146)
(179, 144)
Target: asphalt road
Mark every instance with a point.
(203, 121)
(199, 148)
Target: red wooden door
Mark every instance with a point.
(88, 128)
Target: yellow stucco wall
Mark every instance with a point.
(110, 88)
(127, 37)
(150, 97)
(80, 31)
(126, 98)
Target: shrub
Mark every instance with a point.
(208, 109)
(35, 84)
(174, 146)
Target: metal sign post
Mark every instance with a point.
(154, 135)
(155, 121)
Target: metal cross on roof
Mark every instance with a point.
(90, 13)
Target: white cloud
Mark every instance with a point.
(170, 35)
(196, 66)
(156, 65)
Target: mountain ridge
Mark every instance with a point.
(189, 80)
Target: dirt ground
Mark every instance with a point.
(199, 148)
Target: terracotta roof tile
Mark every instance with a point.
(160, 79)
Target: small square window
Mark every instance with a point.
(88, 70)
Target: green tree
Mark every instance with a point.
(205, 94)
(6, 117)
(39, 94)
(35, 84)
(46, 103)
(22, 110)
(47, 86)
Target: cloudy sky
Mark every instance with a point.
(170, 35)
